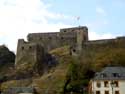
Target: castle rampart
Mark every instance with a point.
(38, 45)
(96, 46)
(68, 36)
(35, 49)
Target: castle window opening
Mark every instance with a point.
(40, 38)
(85, 38)
(74, 50)
(30, 47)
(22, 48)
(64, 30)
(62, 38)
(50, 37)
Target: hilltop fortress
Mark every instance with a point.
(33, 51)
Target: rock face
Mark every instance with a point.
(7, 59)
(6, 56)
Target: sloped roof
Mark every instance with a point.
(16, 90)
(111, 73)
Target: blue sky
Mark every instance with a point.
(104, 18)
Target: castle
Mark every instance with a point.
(33, 51)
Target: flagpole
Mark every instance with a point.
(78, 19)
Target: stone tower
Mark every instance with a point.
(29, 55)
(82, 36)
(75, 36)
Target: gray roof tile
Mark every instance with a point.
(111, 73)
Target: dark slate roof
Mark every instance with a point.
(111, 73)
(16, 90)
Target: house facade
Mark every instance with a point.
(111, 80)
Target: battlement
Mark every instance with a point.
(74, 29)
(66, 36)
(66, 32)
(104, 41)
(41, 36)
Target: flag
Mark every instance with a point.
(78, 18)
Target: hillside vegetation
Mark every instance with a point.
(72, 73)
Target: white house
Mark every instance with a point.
(109, 81)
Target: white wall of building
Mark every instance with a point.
(102, 88)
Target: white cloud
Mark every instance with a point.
(20, 17)
(97, 24)
(95, 36)
(101, 11)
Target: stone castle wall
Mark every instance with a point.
(68, 36)
(94, 47)
(39, 44)
(35, 49)
(28, 55)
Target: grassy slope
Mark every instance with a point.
(50, 81)
(53, 81)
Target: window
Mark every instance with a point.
(106, 84)
(22, 48)
(106, 92)
(50, 38)
(30, 47)
(116, 75)
(117, 92)
(64, 30)
(40, 38)
(116, 83)
(85, 38)
(62, 38)
(74, 50)
(98, 84)
(103, 75)
(98, 92)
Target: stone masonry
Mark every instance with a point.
(34, 50)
